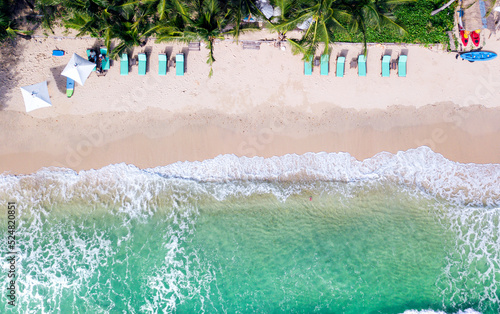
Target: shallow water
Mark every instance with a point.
(170, 240)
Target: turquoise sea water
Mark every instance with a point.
(388, 235)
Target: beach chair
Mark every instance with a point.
(88, 56)
(142, 63)
(124, 64)
(179, 64)
(105, 62)
(340, 66)
(402, 66)
(362, 65)
(386, 60)
(255, 45)
(324, 64)
(70, 87)
(316, 62)
(162, 64)
(194, 46)
(308, 66)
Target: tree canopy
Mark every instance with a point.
(130, 22)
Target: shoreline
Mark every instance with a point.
(104, 139)
(258, 103)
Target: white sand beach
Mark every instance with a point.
(258, 103)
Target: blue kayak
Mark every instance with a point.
(478, 56)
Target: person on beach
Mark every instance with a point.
(92, 56)
(99, 65)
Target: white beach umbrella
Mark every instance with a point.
(267, 10)
(277, 11)
(78, 69)
(305, 25)
(36, 96)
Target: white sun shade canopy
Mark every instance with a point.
(36, 96)
(78, 69)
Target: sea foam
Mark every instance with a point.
(421, 168)
(128, 189)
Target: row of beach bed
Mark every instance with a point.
(387, 65)
(323, 62)
(101, 59)
(103, 65)
(308, 65)
(162, 64)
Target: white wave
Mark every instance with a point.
(131, 187)
(476, 254)
(135, 192)
(180, 276)
(56, 261)
(421, 167)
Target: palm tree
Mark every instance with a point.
(323, 21)
(290, 16)
(207, 24)
(169, 18)
(365, 13)
(128, 22)
(6, 23)
(97, 18)
(50, 10)
(325, 18)
(133, 24)
(240, 9)
(166, 10)
(132, 21)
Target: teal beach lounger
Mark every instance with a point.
(88, 56)
(162, 64)
(386, 60)
(324, 64)
(105, 62)
(179, 64)
(308, 66)
(362, 65)
(142, 63)
(340, 66)
(402, 66)
(124, 64)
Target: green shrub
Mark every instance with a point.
(420, 26)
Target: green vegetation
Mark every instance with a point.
(7, 25)
(6, 30)
(415, 18)
(5, 21)
(130, 22)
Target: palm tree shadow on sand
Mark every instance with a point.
(9, 78)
